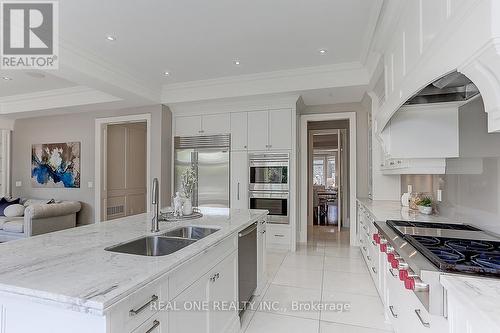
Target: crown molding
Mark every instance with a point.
(236, 104)
(285, 81)
(55, 98)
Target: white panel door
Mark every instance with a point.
(239, 131)
(188, 320)
(215, 124)
(239, 180)
(258, 130)
(188, 126)
(280, 129)
(223, 289)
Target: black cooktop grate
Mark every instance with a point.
(459, 255)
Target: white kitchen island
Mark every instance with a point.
(67, 282)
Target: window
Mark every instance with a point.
(319, 171)
(330, 172)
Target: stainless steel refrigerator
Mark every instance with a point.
(209, 156)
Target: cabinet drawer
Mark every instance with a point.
(131, 312)
(196, 267)
(276, 234)
(155, 324)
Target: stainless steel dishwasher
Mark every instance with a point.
(247, 264)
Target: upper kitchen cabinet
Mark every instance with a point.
(202, 125)
(258, 130)
(270, 130)
(280, 129)
(239, 131)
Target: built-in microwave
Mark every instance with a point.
(276, 203)
(269, 171)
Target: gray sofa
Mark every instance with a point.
(39, 218)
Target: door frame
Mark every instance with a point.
(304, 175)
(100, 150)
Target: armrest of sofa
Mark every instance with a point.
(43, 218)
(39, 211)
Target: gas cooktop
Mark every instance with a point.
(446, 230)
(459, 255)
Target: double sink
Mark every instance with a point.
(164, 244)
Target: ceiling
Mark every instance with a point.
(199, 40)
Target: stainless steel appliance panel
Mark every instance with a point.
(247, 263)
(213, 178)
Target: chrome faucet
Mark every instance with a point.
(155, 192)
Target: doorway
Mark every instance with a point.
(122, 166)
(328, 155)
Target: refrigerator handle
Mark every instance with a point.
(194, 164)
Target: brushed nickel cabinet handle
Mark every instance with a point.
(419, 315)
(392, 273)
(156, 323)
(374, 270)
(133, 312)
(238, 196)
(391, 308)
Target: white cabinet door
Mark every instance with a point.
(258, 130)
(239, 131)
(188, 126)
(280, 129)
(186, 320)
(216, 124)
(239, 180)
(223, 289)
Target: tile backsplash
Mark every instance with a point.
(470, 187)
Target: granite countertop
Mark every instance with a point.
(477, 294)
(384, 210)
(70, 268)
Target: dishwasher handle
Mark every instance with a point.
(248, 230)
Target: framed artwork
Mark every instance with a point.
(55, 165)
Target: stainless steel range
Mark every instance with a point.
(422, 251)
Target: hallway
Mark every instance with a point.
(326, 271)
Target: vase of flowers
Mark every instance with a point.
(425, 205)
(188, 183)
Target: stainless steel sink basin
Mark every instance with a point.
(191, 232)
(152, 246)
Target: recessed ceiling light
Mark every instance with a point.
(236, 62)
(323, 51)
(6, 78)
(110, 38)
(166, 73)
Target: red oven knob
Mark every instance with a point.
(410, 283)
(383, 247)
(376, 238)
(395, 263)
(390, 257)
(403, 274)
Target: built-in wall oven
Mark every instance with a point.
(269, 185)
(275, 202)
(269, 171)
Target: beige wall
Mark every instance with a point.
(81, 127)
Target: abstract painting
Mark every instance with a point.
(55, 165)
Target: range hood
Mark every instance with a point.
(453, 87)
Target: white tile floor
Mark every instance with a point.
(327, 271)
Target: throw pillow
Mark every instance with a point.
(15, 210)
(4, 203)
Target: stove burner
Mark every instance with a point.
(432, 225)
(448, 255)
(489, 260)
(459, 255)
(469, 245)
(427, 241)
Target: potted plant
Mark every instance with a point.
(425, 205)
(188, 183)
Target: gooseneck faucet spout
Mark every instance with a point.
(155, 225)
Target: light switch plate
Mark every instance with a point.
(19, 183)
(90, 184)
(439, 195)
